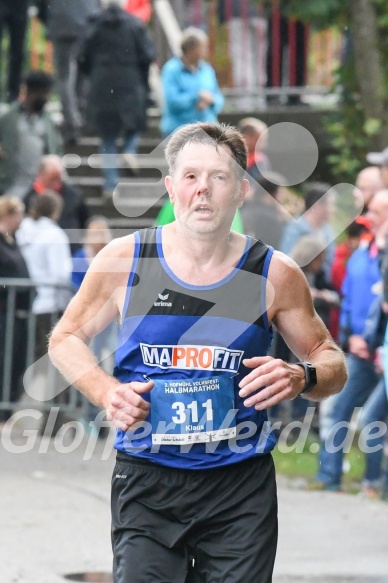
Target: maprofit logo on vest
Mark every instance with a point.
(211, 358)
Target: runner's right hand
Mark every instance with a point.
(125, 406)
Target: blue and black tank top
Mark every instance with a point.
(191, 341)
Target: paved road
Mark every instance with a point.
(54, 510)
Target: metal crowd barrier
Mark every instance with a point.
(70, 401)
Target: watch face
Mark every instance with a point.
(310, 374)
(312, 380)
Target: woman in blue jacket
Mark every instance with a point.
(191, 91)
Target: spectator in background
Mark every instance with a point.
(103, 345)
(263, 216)
(247, 32)
(356, 233)
(375, 481)
(359, 294)
(255, 138)
(191, 94)
(309, 254)
(315, 220)
(26, 134)
(66, 25)
(368, 182)
(191, 91)
(97, 236)
(51, 176)
(14, 17)
(116, 54)
(12, 265)
(344, 250)
(384, 351)
(46, 250)
(143, 9)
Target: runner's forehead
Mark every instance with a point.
(205, 156)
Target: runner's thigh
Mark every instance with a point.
(239, 546)
(139, 559)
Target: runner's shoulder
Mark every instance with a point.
(122, 247)
(284, 271)
(112, 264)
(282, 263)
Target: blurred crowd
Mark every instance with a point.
(103, 52)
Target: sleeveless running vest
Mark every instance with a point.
(191, 340)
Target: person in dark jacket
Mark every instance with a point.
(262, 214)
(12, 265)
(66, 25)
(116, 54)
(27, 133)
(14, 17)
(75, 213)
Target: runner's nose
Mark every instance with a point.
(203, 186)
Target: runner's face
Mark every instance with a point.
(204, 189)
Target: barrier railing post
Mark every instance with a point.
(9, 338)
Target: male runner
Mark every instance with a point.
(194, 493)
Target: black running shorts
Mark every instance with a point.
(194, 526)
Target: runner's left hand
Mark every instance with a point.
(278, 381)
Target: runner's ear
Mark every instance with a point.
(169, 187)
(244, 188)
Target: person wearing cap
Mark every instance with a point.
(309, 254)
(380, 159)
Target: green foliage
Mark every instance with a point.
(372, 126)
(305, 464)
(351, 133)
(322, 13)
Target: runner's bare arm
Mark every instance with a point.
(304, 332)
(97, 303)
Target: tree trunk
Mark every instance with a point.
(368, 63)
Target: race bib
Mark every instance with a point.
(192, 411)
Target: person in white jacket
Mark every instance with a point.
(45, 247)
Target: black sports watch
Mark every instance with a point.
(310, 374)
